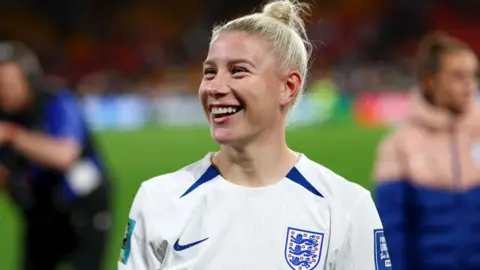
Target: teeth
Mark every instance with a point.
(223, 110)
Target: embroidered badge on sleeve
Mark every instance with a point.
(126, 242)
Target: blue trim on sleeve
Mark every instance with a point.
(295, 175)
(209, 174)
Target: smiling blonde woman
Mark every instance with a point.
(255, 204)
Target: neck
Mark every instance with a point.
(263, 162)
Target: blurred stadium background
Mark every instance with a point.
(136, 66)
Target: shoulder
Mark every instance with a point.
(400, 139)
(173, 185)
(63, 96)
(339, 191)
(61, 100)
(394, 138)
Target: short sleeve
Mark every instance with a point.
(63, 118)
(137, 250)
(365, 246)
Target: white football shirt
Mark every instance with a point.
(195, 219)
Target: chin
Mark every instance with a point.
(9, 109)
(224, 135)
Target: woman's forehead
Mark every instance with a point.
(460, 59)
(239, 45)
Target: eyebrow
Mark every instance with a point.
(231, 62)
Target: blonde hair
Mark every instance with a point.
(281, 22)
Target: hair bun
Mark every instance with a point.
(283, 11)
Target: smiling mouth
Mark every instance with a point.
(227, 110)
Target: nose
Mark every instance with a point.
(218, 87)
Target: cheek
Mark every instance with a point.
(7, 96)
(202, 94)
(263, 89)
(445, 89)
(265, 104)
(455, 90)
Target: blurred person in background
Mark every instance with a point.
(50, 167)
(254, 204)
(428, 171)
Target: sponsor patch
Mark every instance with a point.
(126, 242)
(382, 257)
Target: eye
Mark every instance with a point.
(238, 70)
(208, 71)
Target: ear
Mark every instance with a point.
(291, 87)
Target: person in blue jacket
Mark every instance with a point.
(427, 172)
(50, 167)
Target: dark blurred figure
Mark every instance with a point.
(50, 167)
(428, 171)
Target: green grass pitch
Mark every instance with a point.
(133, 157)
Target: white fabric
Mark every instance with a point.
(247, 227)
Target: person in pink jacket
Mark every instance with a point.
(427, 172)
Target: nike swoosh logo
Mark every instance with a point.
(179, 247)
